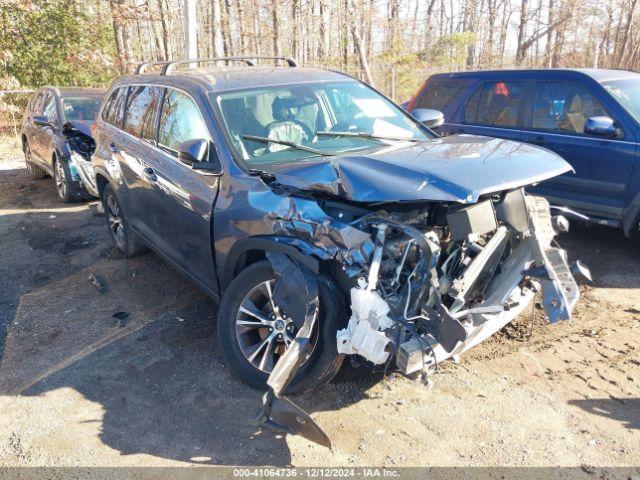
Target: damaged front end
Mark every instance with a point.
(429, 281)
(80, 147)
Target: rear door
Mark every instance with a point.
(31, 129)
(181, 199)
(135, 147)
(43, 135)
(494, 109)
(556, 117)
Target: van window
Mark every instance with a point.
(564, 107)
(440, 93)
(180, 121)
(113, 110)
(495, 104)
(140, 113)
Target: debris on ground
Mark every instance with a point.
(97, 283)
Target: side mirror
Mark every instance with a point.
(194, 153)
(42, 121)
(428, 117)
(601, 126)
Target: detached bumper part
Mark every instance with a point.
(296, 291)
(82, 172)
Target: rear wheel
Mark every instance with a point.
(35, 172)
(126, 241)
(253, 336)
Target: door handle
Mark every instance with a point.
(113, 148)
(149, 174)
(539, 140)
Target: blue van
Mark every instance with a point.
(590, 117)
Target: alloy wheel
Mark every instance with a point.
(61, 180)
(115, 222)
(264, 331)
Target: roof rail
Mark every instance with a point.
(166, 70)
(249, 60)
(143, 66)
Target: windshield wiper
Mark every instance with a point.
(367, 135)
(295, 145)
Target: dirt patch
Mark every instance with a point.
(131, 375)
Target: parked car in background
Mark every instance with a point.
(57, 139)
(590, 117)
(301, 196)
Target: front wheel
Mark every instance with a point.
(67, 191)
(252, 336)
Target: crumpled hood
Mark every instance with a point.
(82, 126)
(458, 168)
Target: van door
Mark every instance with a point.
(603, 166)
(495, 109)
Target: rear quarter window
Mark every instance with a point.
(440, 93)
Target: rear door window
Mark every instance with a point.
(495, 104)
(141, 110)
(49, 109)
(564, 107)
(440, 93)
(180, 121)
(36, 104)
(113, 110)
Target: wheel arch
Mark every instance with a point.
(631, 217)
(101, 182)
(248, 251)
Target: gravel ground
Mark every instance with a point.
(80, 386)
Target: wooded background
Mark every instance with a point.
(394, 44)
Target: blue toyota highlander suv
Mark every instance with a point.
(590, 117)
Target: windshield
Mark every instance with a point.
(627, 92)
(287, 123)
(80, 108)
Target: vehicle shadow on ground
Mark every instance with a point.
(165, 391)
(614, 259)
(625, 411)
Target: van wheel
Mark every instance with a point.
(252, 338)
(67, 191)
(35, 173)
(127, 242)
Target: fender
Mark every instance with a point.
(296, 249)
(631, 217)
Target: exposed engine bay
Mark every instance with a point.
(437, 279)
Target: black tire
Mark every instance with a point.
(65, 188)
(35, 172)
(126, 241)
(325, 361)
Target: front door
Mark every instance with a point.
(602, 166)
(181, 199)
